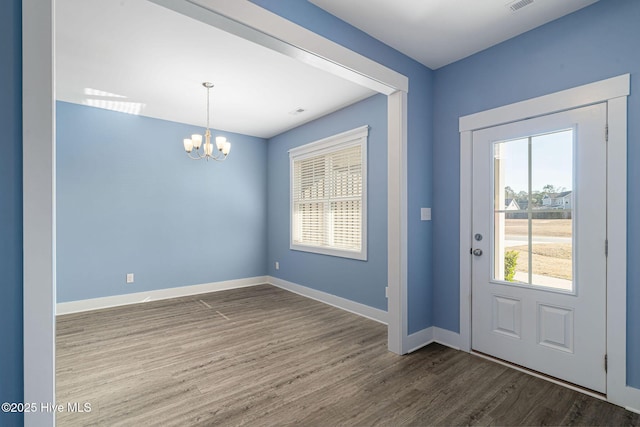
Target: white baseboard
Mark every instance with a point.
(336, 301)
(422, 338)
(155, 295)
(446, 337)
(632, 399)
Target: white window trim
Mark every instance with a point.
(351, 138)
(614, 92)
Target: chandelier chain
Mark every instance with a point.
(208, 99)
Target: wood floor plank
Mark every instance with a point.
(263, 356)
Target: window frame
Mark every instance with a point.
(325, 146)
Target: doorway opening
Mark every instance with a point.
(252, 22)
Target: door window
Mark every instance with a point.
(534, 211)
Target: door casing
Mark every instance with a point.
(614, 92)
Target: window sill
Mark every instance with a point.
(360, 256)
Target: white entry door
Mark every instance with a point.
(539, 244)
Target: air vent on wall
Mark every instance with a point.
(519, 4)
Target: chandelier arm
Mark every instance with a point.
(218, 156)
(198, 156)
(219, 159)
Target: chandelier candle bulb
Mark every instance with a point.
(197, 141)
(222, 145)
(220, 141)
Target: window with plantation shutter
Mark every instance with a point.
(328, 195)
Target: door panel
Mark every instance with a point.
(539, 274)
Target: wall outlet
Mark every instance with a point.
(129, 277)
(277, 265)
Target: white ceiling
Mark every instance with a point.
(439, 32)
(136, 55)
(129, 54)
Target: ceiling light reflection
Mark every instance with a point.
(96, 92)
(105, 100)
(119, 106)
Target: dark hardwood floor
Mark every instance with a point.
(262, 356)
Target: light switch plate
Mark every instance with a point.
(425, 214)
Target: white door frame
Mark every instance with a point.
(39, 225)
(614, 92)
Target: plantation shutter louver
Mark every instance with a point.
(328, 195)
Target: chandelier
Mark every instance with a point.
(192, 145)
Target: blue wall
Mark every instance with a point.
(420, 104)
(361, 281)
(129, 200)
(11, 386)
(595, 43)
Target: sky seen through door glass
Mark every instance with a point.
(551, 158)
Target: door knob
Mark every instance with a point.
(477, 252)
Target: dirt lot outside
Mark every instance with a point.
(540, 227)
(549, 259)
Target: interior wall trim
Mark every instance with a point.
(591, 93)
(295, 41)
(155, 295)
(446, 337)
(432, 334)
(363, 310)
(39, 209)
(421, 338)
